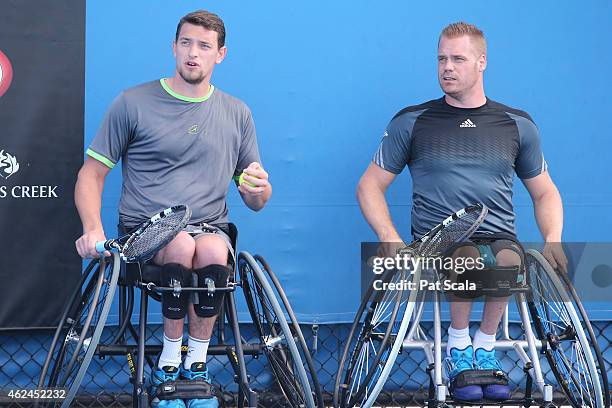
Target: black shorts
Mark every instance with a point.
(488, 246)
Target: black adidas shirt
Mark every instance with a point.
(459, 156)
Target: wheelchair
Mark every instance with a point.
(388, 322)
(77, 337)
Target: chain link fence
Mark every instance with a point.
(107, 383)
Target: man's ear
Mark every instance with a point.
(221, 54)
(482, 62)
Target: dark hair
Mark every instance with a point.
(207, 20)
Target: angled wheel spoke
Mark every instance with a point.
(276, 328)
(368, 348)
(572, 349)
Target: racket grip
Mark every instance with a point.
(102, 246)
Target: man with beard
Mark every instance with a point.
(180, 140)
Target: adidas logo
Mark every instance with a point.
(467, 123)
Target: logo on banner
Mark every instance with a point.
(6, 73)
(9, 166)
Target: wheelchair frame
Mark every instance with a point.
(75, 329)
(527, 349)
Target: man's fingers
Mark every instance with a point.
(254, 166)
(257, 181)
(81, 248)
(254, 169)
(246, 189)
(562, 263)
(256, 175)
(86, 246)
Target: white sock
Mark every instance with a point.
(484, 341)
(171, 353)
(458, 338)
(196, 352)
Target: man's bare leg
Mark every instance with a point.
(461, 308)
(494, 307)
(484, 339)
(210, 250)
(179, 251)
(459, 346)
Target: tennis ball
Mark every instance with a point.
(242, 180)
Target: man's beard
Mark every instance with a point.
(191, 81)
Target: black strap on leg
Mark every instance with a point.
(495, 281)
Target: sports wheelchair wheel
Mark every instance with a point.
(374, 341)
(570, 343)
(280, 338)
(80, 327)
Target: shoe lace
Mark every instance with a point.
(201, 375)
(161, 376)
(489, 362)
(458, 362)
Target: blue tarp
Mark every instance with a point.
(323, 80)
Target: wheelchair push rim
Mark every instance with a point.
(369, 349)
(562, 324)
(80, 328)
(297, 332)
(275, 333)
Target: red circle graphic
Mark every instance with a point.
(6, 73)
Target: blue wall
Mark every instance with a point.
(324, 78)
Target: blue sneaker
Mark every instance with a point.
(461, 360)
(199, 371)
(485, 360)
(161, 375)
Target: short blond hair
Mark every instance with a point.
(460, 29)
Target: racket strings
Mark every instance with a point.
(457, 231)
(154, 236)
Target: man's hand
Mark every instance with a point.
(86, 244)
(390, 249)
(258, 177)
(387, 249)
(553, 252)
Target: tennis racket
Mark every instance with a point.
(151, 236)
(455, 228)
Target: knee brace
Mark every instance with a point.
(208, 304)
(174, 305)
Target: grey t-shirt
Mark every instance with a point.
(458, 157)
(175, 150)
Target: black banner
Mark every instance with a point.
(42, 79)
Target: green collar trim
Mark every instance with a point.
(164, 85)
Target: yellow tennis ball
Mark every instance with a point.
(242, 180)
